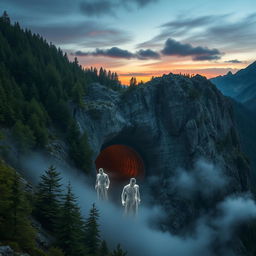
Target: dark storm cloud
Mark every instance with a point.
(116, 52)
(175, 48)
(234, 61)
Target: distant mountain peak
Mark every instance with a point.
(252, 65)
(241, 86)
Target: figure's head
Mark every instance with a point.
(132, 181)
(101, 171)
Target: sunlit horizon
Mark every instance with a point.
(145, 38)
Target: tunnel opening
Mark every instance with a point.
(123, 156)
(121, 162)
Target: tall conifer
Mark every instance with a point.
(47, 203)
(70, 228)
(92, 233)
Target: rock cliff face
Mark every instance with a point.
(171, 122)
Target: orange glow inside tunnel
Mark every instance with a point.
(120, 162)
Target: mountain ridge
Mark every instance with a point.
(241, 86)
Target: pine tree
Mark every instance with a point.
(79, 148)
(77, 94)
(5, 17)
(84, 154)
(23, 136)
(92, 233)
(20, 229)
(70, 227)
(103, 250)
(47, 202)
(54, 251)
(14, 210)
(118, 251)
(133, 82)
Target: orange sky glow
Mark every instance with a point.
(144, 72)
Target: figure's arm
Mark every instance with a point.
(107, 182)
(97, 180)
(123, 196)
(138, 193)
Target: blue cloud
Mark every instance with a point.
(116, 52)
(175, 48)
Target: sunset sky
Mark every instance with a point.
(145, 38)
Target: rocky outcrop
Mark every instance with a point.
(6, 251)
(170, 121)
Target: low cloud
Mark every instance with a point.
(137, 74)
(233, 61)
(113, 52)
(205, 178)
(147, 54)
(171, 48)
(116, 52)
(139, 236)
(175, 48)
(234, 211)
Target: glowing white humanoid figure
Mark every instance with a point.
(131, 198)
(102, 185)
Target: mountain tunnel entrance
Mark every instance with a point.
(121, 162)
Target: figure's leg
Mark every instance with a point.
(136, 208)
(101, 193)
(126, 208)
(106, 194)
(131, 208)
(98, 192)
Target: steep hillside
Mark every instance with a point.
(240, 86)
(246, 124)
(37, 86)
